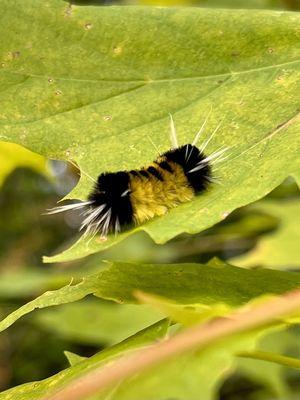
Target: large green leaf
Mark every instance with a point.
(194, 376)
(196, 371)
(180, 378)
(92, 84)
(189, 284)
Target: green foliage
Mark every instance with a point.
(13, 156)
(104, 323)
(279, 249)
(92, 85)
(186, 284)
(34, 391)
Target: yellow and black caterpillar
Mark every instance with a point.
(121, 199)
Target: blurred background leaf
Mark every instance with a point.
(279, 249)
(13, 156)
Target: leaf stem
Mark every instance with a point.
(272, 357)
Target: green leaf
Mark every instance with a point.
(182, 378)
(185, 315)
(73, 358)
(198, 372)
(279, 249)
(179, 378)
(94, 94)
(189, 284)
(271, 373)
(13, 156)
(64, 295)
(35, 390)
(30, 282)
(103, 322)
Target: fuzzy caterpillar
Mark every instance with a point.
(121, 199)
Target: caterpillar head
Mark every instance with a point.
(110, 205)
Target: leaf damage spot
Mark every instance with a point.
(225, 214)
(270, 50)
(58, 92)
(50, 80)
(15, 54)
(68, 10)
(88, 26)
(107, 117)
(68, 153)
(117, 50)
(234, 125)
(101, 239)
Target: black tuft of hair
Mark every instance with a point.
(189, 157)
(112, 190)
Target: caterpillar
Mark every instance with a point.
(122, 199)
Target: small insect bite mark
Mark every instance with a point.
(68, 10)
(117, 50)
(122, 199)
(15, 54)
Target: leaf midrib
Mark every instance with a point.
(148, 81)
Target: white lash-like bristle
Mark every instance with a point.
(173, 136)
(93, 214)
(201, 129)
(202, 164)
(68, 207)
(100, 226)
(105, 227)
(117, 226)
(203, 147)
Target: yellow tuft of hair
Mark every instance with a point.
(152, 197)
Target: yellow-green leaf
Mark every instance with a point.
(13, 156)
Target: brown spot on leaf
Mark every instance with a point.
(117, 50)
(68, 10)
(102, 239)
(15, 54)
